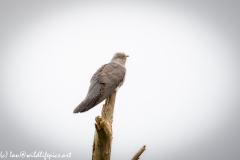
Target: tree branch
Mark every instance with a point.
(138, 154)
(103, 134)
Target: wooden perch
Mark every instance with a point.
(138, 154)
(103, 133)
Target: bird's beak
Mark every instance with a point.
(127, 55)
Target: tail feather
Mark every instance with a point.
(80, 108)
(86, 104)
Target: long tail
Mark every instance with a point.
(86, 104)
(80, 108)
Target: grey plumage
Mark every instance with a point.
(105, 80)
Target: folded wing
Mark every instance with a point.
(105, 80)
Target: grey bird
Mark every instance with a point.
(104, 82)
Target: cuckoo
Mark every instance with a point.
(104, 82)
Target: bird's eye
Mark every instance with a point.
(121, 56)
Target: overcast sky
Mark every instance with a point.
(181, 93)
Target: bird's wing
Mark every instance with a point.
(94, 91)
(111, 76)
(96, 74)
(104, 81)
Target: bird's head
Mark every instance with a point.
(120, 57)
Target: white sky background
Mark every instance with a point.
(180, 92)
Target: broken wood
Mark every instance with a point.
(138, 154)
(103, 133)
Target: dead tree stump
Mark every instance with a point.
(103, 133)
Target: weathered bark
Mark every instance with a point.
(103, 133)
(138, 154)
